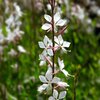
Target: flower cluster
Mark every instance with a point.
(51, 83)
(13, 24)
(12, 27)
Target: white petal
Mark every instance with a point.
(42, 87)
(46, 26)
(41, 45)
(42, 63)
(44, 53)
(65, 72)
(50, 52)
(49, 88)
(56, 40)
(45, 40)
(61, 22)
(56, 17)
(66, 44)
(56, 47)
(62, 94)
(42, 79)
(50, 43)
(62, 84)
(55, 80)
(21, 49)
(48, 6)
(60, 39)
(10, 37)
(51, 98)
(61, 64)
(64, 50)
(55, 29)
(55, 93)
(49, 74)
(41, 57)
(18, 11)
(47, 17)
(10, 20)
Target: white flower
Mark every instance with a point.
(61, 43)
(18, 32)
(78, 12)
(46, 45)
(13, 24)
(57, 22)
(12, 52)
(56, 96)
(15, 66)
(10, 21)
(21, 49)
(61, 65)
(47, 80)
(10, 35)
(18, 10)
(13, 21)
(42, 88)
(42, 63)
(43, 56)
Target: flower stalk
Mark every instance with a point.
(52, 83)
(53, 33)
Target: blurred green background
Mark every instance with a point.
(19, 75)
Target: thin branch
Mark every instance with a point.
(75, 79)
(75, 82)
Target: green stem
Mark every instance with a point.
(75, 79)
